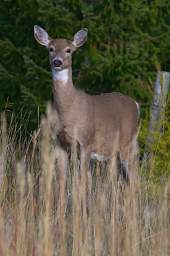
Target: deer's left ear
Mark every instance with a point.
(80, 37)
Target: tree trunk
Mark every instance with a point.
(157, 113)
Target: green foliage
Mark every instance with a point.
(128, 42)
(161, 148)
(158, 166)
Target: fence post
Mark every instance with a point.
(157, 113)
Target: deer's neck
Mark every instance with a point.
(64, 90)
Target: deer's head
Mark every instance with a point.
(60, 50)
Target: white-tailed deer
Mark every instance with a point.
(100, 124)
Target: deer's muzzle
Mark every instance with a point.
(57, 63)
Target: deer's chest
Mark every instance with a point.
(68, 136)
(65, 139)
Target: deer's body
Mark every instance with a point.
(100, 124)
(105, 116)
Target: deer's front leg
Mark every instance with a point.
(85, 182)
(84, 160)
(62, 161)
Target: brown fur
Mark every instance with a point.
(101, 124)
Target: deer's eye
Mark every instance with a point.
(68, 50)
(51, 49)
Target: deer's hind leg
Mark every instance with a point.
(122, 168)
(129, 159)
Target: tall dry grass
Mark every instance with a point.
(45, 212)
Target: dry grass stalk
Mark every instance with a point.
(73, 213)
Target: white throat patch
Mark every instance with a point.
(60, 75)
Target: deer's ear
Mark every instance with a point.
(80, 37)
(41, 36)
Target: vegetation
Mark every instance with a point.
(43, 212)
(128, 41)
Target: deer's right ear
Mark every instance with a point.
(41, 36)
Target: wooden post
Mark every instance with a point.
(157, 112)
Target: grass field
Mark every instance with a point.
(44, 212)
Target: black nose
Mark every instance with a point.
(57, 63)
